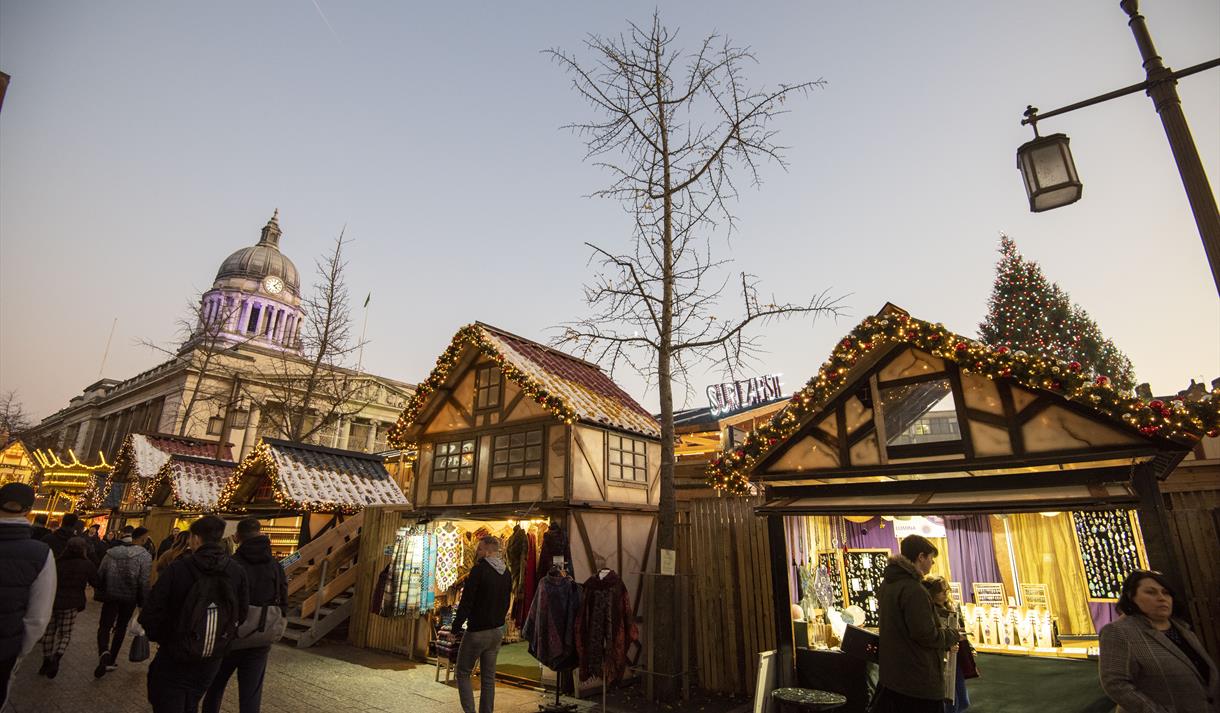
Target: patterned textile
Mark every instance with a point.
(605, 628)
(59, 633)
(412, 573)
(554, 544)
(551, 625)
(527, 595)
(448, 555)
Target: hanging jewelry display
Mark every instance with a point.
(830, 563)
(448, 556)
(1109, 550)
(864, 571)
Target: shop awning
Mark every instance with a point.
(1017, 493)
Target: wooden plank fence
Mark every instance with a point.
(1194, 521)
(724, 547)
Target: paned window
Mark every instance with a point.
(487, 387)
(517, 455)
(215, 425)
(627, 459)
(453, 462)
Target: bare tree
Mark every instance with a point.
(310, 392)
(204, 340)
(676, 132)
(13, 418)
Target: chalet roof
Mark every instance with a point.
(1170, 425)
(314, 478)
(196, 483)
(572, 388)
(144, 454)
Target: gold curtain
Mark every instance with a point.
(941, 567)
(1000, 543)
(821, 535)
(1046, 553)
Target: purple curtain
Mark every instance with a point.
(971, 552)
(795, 530)
(1102, 613)
(876, 534)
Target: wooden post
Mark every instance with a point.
(785, 656)
(1154, 524)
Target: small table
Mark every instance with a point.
(799, 700)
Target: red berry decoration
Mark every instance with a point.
(846, 344)
(1156, 404)
(1057, 385)
(1006, 372)
(1074, 366)
(739, 453)
(1149, 430)
(1102, 381)
(1001, 350)
(1166, 412)
(961, 347)
(933, 337)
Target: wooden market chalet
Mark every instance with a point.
(1030, 435)
(509, 431)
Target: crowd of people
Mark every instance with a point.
(212, 611)
(1150, 660)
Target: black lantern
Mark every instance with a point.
(1049, 172)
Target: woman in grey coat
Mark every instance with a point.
(1151, 662)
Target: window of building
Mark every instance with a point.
(453, 462)
(215, 425)
(922, 412)
(487, 384)
(241, 418)
(627, 459)
(358, 436)
(517, 455)
(253, 323)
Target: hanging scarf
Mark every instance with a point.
(448, 555)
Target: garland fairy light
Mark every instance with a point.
(472, 335)
(261, 457)
(1172, 418)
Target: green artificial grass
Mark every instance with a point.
(1020, 684)
(515, 660)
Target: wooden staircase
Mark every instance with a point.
(322, 583)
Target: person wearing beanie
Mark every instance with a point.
(27, 582)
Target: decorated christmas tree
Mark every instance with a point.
(1027, 311)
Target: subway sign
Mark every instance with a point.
(747, 393)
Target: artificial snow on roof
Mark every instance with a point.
(150, 452)
(197, 482)
(323, 476)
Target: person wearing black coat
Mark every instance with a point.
(176, 682)
(268, 587)
(73, 571)
(58, 539)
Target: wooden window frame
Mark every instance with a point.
(623, 467)
(496, 389)
(525, 460)
(474, 462)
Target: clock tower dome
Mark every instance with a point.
(256, 297)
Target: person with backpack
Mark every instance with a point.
(58, 539)
(265, 621)
(27, 582)
(122, 584)
(193, 613)
(74, 570)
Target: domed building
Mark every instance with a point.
(256, 296)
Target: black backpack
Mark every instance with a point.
(209, 616)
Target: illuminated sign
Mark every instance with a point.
(743, 394)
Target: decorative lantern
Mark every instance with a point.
(1049, 172)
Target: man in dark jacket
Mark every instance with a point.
(27, 582)
(167, 543)
(39, 529)
(913, 640)
(122, 584)
(97, 548)
(58, 539)
(483, 606)
(268, 588)
(176, 680)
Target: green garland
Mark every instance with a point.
(1175, 418)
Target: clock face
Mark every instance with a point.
(273, 285)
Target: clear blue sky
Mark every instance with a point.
(142, 142)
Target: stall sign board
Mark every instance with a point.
(989, 594)
(743, 394)
(1035, 596)
(832, 562)
(955, 590)
(863, 572)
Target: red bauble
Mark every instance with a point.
(961, 347)
(846, 344)
(934, 337)
(1057, 385)
(1001, 350)
(1166, 412)
(1102, 381)
(1156, 404)
(1149, 430)
(1074, 366)
(772, 441)
(1006, 372)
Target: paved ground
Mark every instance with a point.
(329, 678)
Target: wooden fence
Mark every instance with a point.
(1194, 521)
(406, 635)
(724, 547)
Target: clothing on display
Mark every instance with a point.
(521, 607)
(605, 628)
(448, 554)
(409, 588)
(554, 544)
(551, 624)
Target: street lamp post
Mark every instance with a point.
(1050, 175)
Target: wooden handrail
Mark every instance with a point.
(324, 544)
(342, 555)
(340, 584)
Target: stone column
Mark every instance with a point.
(371, 441)
(343, 433)
(243, 316)
(249, 439)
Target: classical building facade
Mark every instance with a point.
(230, 382)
